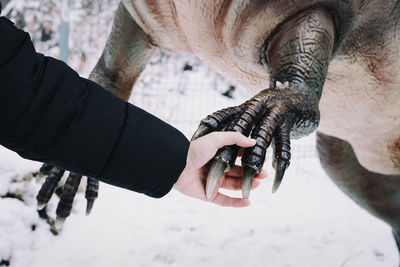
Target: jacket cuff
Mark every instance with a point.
(149, 155)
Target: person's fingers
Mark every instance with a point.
(233, 183)
(235, 171)
(227, 201)
(205, 147)
(221, 139)
(256, 183)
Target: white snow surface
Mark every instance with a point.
(308, 222)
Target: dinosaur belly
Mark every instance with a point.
(355, 106)
(358, 108)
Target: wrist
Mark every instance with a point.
(180, 183)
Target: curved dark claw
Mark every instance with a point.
(66, 193)
(282, 156)
(227, 155)
(247, 182)
(217, 168)
(254, 157)
(54, 175)
(67, 198)
(222, 162)
(216, 121)
(92, 192)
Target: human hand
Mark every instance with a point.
(191, 182)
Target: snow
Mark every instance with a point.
(308, 222)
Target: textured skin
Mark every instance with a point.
(282, 112)
(299, 51)
(125, 55)
(294, 112)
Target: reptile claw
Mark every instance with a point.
(217, 168)
(202, 130)
(280, 168)
(215, 121)
(92, 191)
(248, 176)
(67, 193)
(89, 206)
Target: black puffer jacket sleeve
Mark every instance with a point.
(50, 114)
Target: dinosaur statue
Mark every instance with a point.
(326, 65)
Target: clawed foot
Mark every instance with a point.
(273, 116)
(53, 177)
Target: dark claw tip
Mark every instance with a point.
(89, 206)
(202, 130)
(280, 168)
(248, 176)
(217, 168)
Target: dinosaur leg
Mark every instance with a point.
(125, 55)
(377, 193)
(297, 55)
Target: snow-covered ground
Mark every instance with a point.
(308, 222)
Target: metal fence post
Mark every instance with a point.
(64, 30)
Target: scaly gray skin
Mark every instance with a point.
(298, 55)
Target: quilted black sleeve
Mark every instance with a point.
(49, 113)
